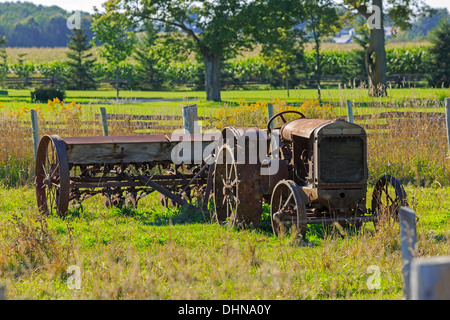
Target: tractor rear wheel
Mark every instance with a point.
(237, 190)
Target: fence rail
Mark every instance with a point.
(309, 81)
(381, 123)
(32, 81)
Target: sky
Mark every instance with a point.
(88, 5)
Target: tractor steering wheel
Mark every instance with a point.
(280, 114)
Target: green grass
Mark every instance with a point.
(129, 103)
(155, 254)
(328, 95)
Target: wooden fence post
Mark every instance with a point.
(447, 120)
(430, 278)
(2, 292)
(190, 119)
(35, 130)
(349, 111)
(270, 113)
(408, 240)
(104, 121)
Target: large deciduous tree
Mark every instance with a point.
(401, 13)
(217, 29)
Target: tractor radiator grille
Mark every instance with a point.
(341, 160)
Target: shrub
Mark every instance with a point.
(46, 94)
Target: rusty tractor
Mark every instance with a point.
(315, 173)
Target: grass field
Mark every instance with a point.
(151, 253)
(154, 254)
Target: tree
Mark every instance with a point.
(285, 55)
(401, 13)
(439, 56)
(322, 21)
(80, 63)
(154, 52)
(215, 28)
(422, 28)
(3, 61)
(355, 67)
(117, 41)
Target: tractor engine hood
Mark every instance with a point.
(303, 127)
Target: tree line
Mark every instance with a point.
(213, 32)
(25, 24)
(253, 71)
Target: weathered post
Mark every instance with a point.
(190, 118)
(349, 111)
(447, 120)
(104, 121)
(270, 113)
(35, 130)
(2, 292)
(408, 240)
(430, 278)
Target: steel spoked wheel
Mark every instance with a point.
(288, 209)
(52, 180)
(237, 190)
(226, 184)
(387, 198)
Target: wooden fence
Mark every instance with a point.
(309, 81)
(32, 81)
(157, 124)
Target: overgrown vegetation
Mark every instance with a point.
(151, 73)
(153, 254)
(150, 253)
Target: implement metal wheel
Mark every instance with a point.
(237, 192)
(52, 180)
(288, 209)
(387, 198)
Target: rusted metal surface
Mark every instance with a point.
(327, 166)
(301, 127)
(281, 172)
(288, 205)
(52, 180)
(123, 169)
(237, 190)
(387, 198)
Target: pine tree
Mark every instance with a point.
(80, 64)
(439, 56)
(150, 77)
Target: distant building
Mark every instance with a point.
(346, 34)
